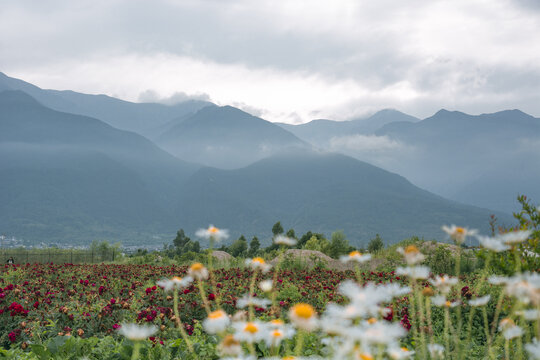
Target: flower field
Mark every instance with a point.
(259, 310)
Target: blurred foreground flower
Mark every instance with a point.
(198, 271)
(284, 240)
(355, 256)
(136, 332)
(175, 283)
(458, 234)
(303, 316)
(213, 232)
(258, 263)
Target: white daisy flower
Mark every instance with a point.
(436, 351)
(284, 240)
(213, 232)
(481, 301)
(457, 233)
(198, 271)
(250, 332)
(356, 256)
(493, 244)
(136, 332)
(258, 263)
(514, 237)
(411, 254)
(303, 316)
(510, 329)
(533, 348)
(230, 346)
(530, 314)
(266, 285)
(247, 300)
(444, 283)
(400, 353)
(175, 283)
(377, 332)
(275, 336)
(442, 301)
(498, 280)
(525, 287)
(216, 322)
(415, 272)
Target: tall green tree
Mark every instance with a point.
(339, 244)
(376, 244)
(238, 247)
(277, 229)
(254, 246)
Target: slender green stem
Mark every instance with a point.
(507, 350)
(274, 280)
(136, 350)
(459, 319)
(211, 271)
(469, 327)
(299, 343)
(203, 296)
(447, 331)
(179, 323)
(422, 322)
(251, 348)
(428, 316)
(413, 311)
(251, 290)
(497, 313)
(486, 329)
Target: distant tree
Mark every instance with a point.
(291, 234)
(238, 247)
(254, 246)
(376, 244)
(307, 236)
(277, 229)
(339, 244)
(181, 239)
(318, 244)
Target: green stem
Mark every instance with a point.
(299, 343)
(136, 350)
(446, 331)
(486, 330)
(507, 349)
(497, 313)
(413, 311)
(274, 281)
(469, 327)
(251, 290)
(211, 271)
(179, 323)
(422, 322)
(203, 296)
(428, 316)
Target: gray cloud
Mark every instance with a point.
(417, 56)
(176, 98)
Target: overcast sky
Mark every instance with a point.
(289, 61)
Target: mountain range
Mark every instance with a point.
(74, 176)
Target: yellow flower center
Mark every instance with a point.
(229, 341)
(277, 333)
(289, 358)
(197, 267)
(460, 230)
(411, 249)
(304, 311)
(448, 303)
(177, 278)
(404, 348)
(366, 357)
(251, 328)
(218, 314)
(277, 322)
(372, 321)
(213, 230)
(506, 322)
(259, 260)
(355, 253)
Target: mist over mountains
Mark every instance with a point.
(79, 167)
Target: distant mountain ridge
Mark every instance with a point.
(321, 131)
(142, 118)
(226, 137)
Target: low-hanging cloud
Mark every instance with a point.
(379, 150)
(178, 97)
